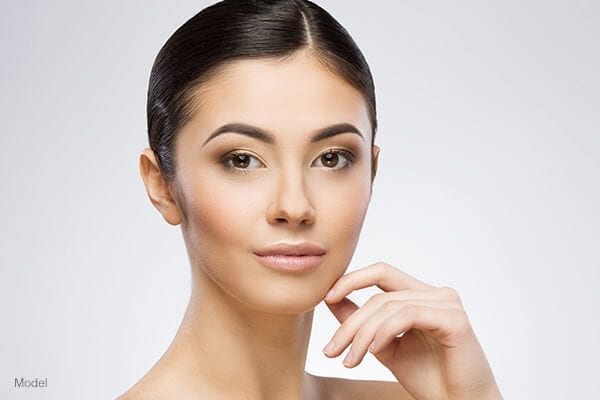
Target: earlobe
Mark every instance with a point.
(157, 188)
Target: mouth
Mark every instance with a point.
(296, 257)
(291, 263)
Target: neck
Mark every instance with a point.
(233, 351)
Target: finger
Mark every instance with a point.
(348, 313)
(383, 275)
(352, 317)
(437, 294)
(343, 309)
(368, 329)
(359, 328)
(446, 325)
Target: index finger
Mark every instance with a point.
(383, 275)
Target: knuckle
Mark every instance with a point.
(449, 293)
(409, 309)
(461, 323)
(392, 305)
(386, 327)
(381, 266)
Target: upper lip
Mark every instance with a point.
(292, 249)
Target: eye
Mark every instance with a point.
(331, 159)
(239, 161)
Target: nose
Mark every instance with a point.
(290, 202)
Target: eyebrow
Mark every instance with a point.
(257, 133)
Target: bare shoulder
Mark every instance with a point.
(139, 392)
(133, 395)
(157, 384)
(334, 388)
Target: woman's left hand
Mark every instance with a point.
(437, 357)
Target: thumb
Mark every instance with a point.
(342, 309)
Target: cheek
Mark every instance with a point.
(219, 224)
(343, 204)
(342, 210)
(219, 215)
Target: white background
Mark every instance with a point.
(488, 183)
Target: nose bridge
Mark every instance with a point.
(291, 197)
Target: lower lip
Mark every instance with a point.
(291, 263)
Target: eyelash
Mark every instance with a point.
(230, 156)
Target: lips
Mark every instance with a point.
(291, 249)
(290, 257)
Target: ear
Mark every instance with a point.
(157, 188)
(375, 163)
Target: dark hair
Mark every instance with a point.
(243, 29)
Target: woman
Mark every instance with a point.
(261, 122)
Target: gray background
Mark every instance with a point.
(488, 183)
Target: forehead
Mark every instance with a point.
(292, 97)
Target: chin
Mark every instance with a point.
(283, 297)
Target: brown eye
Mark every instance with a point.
(331, 159)
(240, 161)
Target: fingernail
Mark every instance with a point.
(330, 294)
(329, 347)
(348, 359)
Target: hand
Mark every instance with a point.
(437, 355)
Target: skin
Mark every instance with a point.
(246, 329)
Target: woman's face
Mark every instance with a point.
(291, 190)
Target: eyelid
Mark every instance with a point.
(229, 155)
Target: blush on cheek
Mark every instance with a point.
(353, 221)
(219, 217)
(344, 223)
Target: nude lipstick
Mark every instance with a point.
(290, 257)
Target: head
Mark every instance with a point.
(283, 71)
